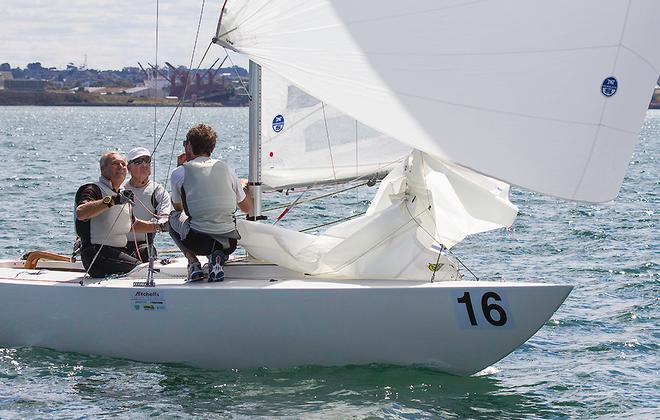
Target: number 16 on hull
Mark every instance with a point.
(482, 309)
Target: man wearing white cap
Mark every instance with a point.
(152, 201)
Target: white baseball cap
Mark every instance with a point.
(137, 152)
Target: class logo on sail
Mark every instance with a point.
(609, 86)
(278, 123)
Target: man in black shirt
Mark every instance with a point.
(104, 218)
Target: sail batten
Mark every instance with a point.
(513, 89)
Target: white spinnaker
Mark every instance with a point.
(420, 203)
(509, 88)
(305, 141)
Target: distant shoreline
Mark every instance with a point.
(13, 98)
(49, 98)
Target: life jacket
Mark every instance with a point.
(208, 196)
(110, 227)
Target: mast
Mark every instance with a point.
(254, 174)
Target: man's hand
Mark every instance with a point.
(181, 159)
(163, 227)
(124, 197)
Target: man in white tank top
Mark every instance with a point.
(205, 193)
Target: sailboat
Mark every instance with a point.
(451, 102)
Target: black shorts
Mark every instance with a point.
(142, 250)
(202, 244)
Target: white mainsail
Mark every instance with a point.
(548, 95)
(305, 141)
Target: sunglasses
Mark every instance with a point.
(140, 160)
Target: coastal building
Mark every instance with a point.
(4, 75)
(25, 85)
(104, 90)
(152, 88)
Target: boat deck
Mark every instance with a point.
(239, 274)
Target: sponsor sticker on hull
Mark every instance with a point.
(148, 300)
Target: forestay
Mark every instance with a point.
(305, 141)
(548, 94)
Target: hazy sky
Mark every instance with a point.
(113, 33)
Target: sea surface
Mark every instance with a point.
(597, 357)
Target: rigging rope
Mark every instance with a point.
(240, 79)
(357, 193)
(222, 12)
(178, 105)
(185, 90)
(318, 197)
(327, 134)
(414, 218)
(333, 222)
(289, 207)
(155, 87)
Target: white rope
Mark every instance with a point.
(327, 135)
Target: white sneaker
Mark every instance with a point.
(195, 272)
(216, 261)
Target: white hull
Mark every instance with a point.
(264, 315)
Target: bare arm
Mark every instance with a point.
(90, 209)
(178, 206)
(143, 226)
(164, 206)
(246, 204)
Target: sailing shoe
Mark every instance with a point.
(216, 261)
(195, 272)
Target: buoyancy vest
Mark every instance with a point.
(208, 196)
(110, 227)
(151, 195)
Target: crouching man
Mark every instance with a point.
(205, 193)
(104, 218)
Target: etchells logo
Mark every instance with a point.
(278, 123)
(143, 294)
(609, 86)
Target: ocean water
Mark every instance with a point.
(597, 357)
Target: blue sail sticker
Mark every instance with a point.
(278, 123)
(609, 86)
